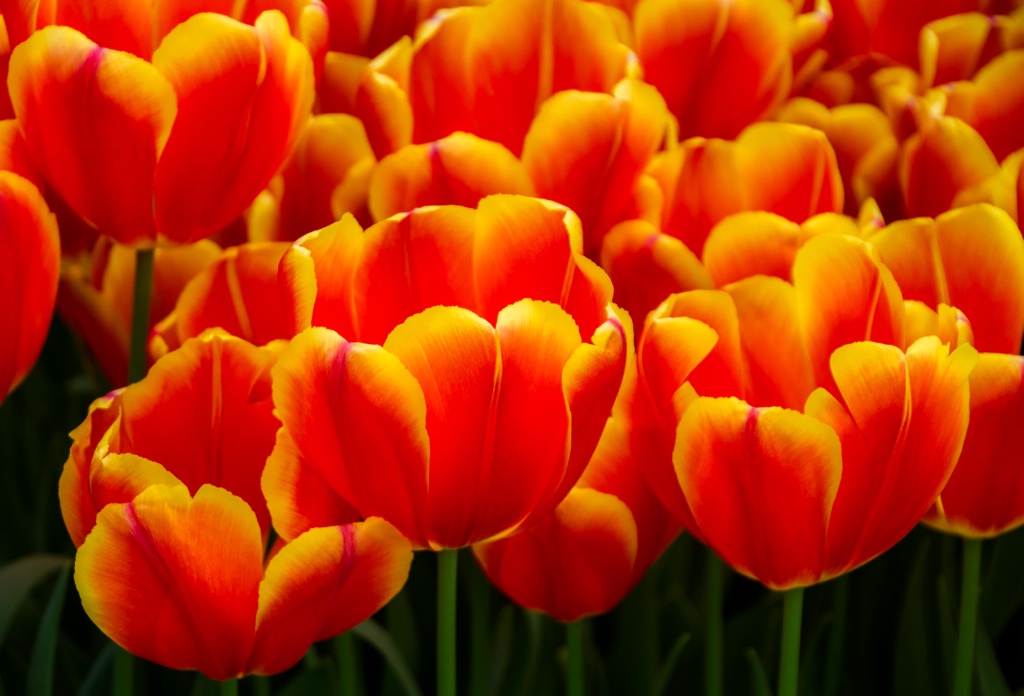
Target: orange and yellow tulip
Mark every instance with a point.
(162, 496)
(788, 427)
(153, 150)
(440, 338)
(29, 269)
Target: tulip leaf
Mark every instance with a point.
(669, 665)
(761, 686)
(919, 666)
(1004, 592)
(97, 680)
(18, 578)
(40, 668)
(989, 676)
(374, 634)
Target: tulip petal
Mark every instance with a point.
(970, 257)
(845, 295)
(984, 494)
(95, 122)
(204, 412)
(576, 562)
(237, 85)
(457, 170)
(191, 566)
(76, 503)
(323, 583)
(453, 354)
(646, 266)
(358, 417)
(751, 243)
(530, 248)
(335, 251)
(767, 310)
(900, 422)
(298, 497)
(29, 270)
(760, 483)
(410, 263)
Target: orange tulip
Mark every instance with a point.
(991, 103)
(486, 71)
(781, 168)
(720, 65)
(972, 258)
(172, 528)
(585, 556)
(983, 496)
(170, 149)
(460, 330)
(792, 497)
(94, 296)
(238, 292)
(29, 268)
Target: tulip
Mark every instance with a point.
(721, 66)
(155, 150)
(781, 168)
(94, 296)
(486, 70)
(30, 258)
(824, 488)
(239, 293)
(440, 336)
(172, 531)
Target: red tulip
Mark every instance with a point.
(29, 268)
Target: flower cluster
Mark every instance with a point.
(399, 249)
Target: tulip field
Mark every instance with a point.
(512, 347)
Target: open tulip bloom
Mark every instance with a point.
(162, 496)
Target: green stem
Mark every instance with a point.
(479, 628)
(837, 636)
(968, 617)
(345, 655)
(229, 687)
(140, 314)
(447, 567)
(714, 601)
(124, 672)
(789, 659)
(574, 662)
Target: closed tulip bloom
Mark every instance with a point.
(172, 149)
(785, 169)
(239, 293)
(29, 269)
(720, 65)
(172, 531)
(441, 339)
(791, 430)
(486, 71)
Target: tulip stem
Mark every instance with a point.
(968, 617)
(714, 601)
(124, 672)
(229, 687)
(140, 314)
(574, 659)
(447, 567)
(789, 659)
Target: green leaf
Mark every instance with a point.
(374, 634)
(97, 681)
(40, 668)
(989, 675)
(18, 578)
(760, 677)
(668, 667)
